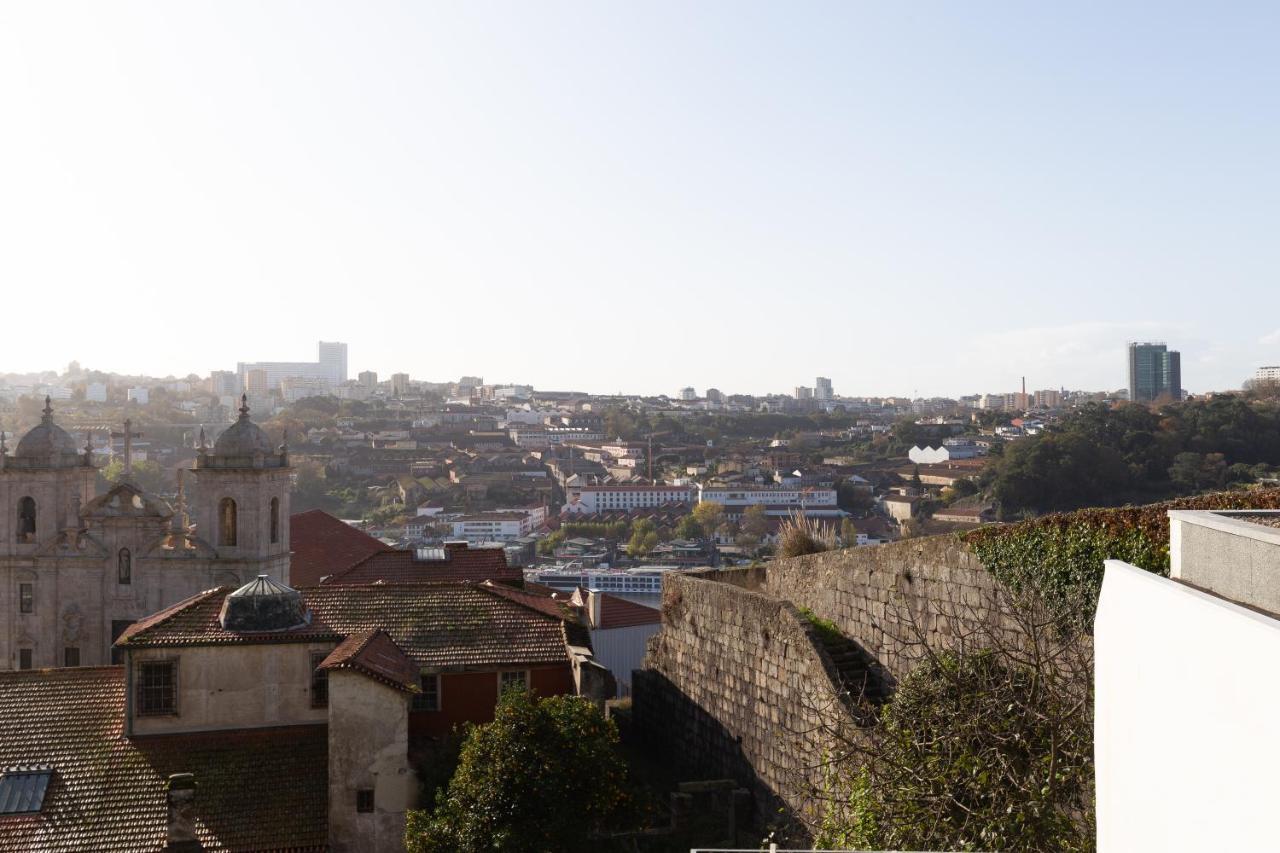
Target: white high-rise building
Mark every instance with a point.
(333, 357)
(822, 389)
(1268, 374)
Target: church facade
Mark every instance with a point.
(77, 568)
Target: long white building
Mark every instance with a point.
(779, 500)
(612, 498)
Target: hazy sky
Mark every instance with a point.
(906, 197)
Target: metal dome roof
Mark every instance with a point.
(264, 605)
(48, 443)
(243, 438)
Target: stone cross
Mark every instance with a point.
(128, 435)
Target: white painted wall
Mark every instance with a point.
(622, 650)
(1186, 707)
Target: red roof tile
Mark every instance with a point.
(617, 612)
(444, 625)
(323, 545)
(376, 655)
(461, 563)
(263, 789)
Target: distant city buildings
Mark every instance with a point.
(803, 393)
(822, 389)
(1155, 372)
(1267, 374)
(399, 384)
(688, 394)
(368, 379)
(330, 366)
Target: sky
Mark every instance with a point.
(910, 198)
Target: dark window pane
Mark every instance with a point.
(319, 681)
(364, 800)
(71, 656)
(157, 687)
(24, 658)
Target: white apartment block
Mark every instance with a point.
(547, 436)
(592, 499)
(1270, 373)
(780, 500)
(492, 527)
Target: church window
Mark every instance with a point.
(26, 598)
(27, 519)
(275, 520)
(71, 656)
(124, 566)
(157, 687)
(227, 522)
(24, 659)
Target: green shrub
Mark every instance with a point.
(1060, 556)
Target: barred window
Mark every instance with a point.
(24, 658)
(71, 656)
(319, 681)
(429, 698)
(157, 687)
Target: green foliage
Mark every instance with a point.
(1060, 557)
(612, 530)
(544, 775)
(644, 538)
(971, 754)
(689, 528)
(147, 474)
(550, 543)
(1099, 456)
(826, 629)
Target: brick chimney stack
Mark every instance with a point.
(182, 815)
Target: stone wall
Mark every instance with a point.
(736, 684)
(889, 597)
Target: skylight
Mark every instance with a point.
(22, 789)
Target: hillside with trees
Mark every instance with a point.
(1101, 456)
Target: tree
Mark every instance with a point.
(708, 515)
(689, 528)
(544, 775)
(644, 538)
(147, 474)
(753, 527)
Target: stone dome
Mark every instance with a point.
(48, 444)
(264, 605)
(243, 438)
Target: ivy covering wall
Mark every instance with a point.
(1061, 556)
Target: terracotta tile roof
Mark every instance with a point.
(376, 655)
(323, 545)
(617, 612)
(262, 789)
(196, 622)
(461, 563)
(535, 598)
(436, 624)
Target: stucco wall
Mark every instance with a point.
(230, 687)
(1171, 661)
(368, 750)
(1229, 556)
(732, 687)
(622, 650)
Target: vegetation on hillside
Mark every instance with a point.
(1100, 456)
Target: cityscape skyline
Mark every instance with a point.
(937, 200)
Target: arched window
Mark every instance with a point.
(124, 566)
(27, 520)
(227, 522)
(275, 520)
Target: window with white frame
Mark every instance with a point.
(517, 678)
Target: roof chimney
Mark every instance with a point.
(182, 814)
(594, 598)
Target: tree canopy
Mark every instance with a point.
(544, 775)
